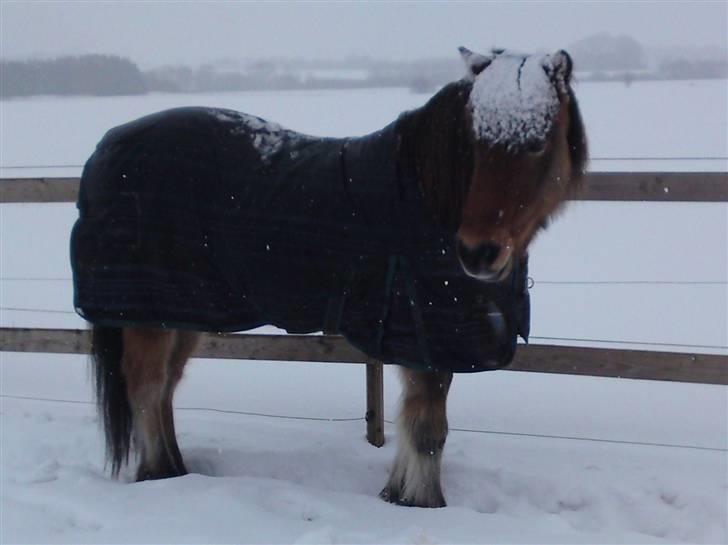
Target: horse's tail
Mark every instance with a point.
(111, 395)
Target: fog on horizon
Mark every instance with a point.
(157, 33)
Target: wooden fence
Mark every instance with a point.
(601, 186)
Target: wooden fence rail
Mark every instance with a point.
(601, 186)
(541, 358)
(635, 364)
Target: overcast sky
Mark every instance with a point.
(153, 32)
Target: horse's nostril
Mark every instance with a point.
(480, 258)
(488, 253)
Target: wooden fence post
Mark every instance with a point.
(375, 403)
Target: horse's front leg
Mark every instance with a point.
(415, 477)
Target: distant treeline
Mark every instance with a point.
(111, 75)
(286, 74)
(84, 75)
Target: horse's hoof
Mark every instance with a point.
(390, 495)
(148, 475)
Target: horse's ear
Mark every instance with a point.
(475, 62)
(560, 66)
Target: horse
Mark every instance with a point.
(412, 242)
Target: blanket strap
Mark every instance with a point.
(389, 282)
(416, 312)
(337, 301)
(342, 279)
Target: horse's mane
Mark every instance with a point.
(436, 147)
(578, 148)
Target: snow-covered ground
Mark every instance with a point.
(546, 459)
(259, 480)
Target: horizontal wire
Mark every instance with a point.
(49, 399)
(38, 310)
(361, 419)
(281, 416)
(685, 158)
(646, 343)
(536, 282)
(207, 409)
(39, 166)
(589, 439)
(658, 158)
(34, 279)
(632, 282)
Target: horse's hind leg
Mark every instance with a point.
(145, 361)
(415, 477)
(185, 344)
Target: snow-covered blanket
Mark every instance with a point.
(215, 220)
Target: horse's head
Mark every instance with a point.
(528, 155)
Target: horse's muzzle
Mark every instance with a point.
(488, 261)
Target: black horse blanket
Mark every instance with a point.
(213, 220)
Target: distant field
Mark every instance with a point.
(674, 119)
